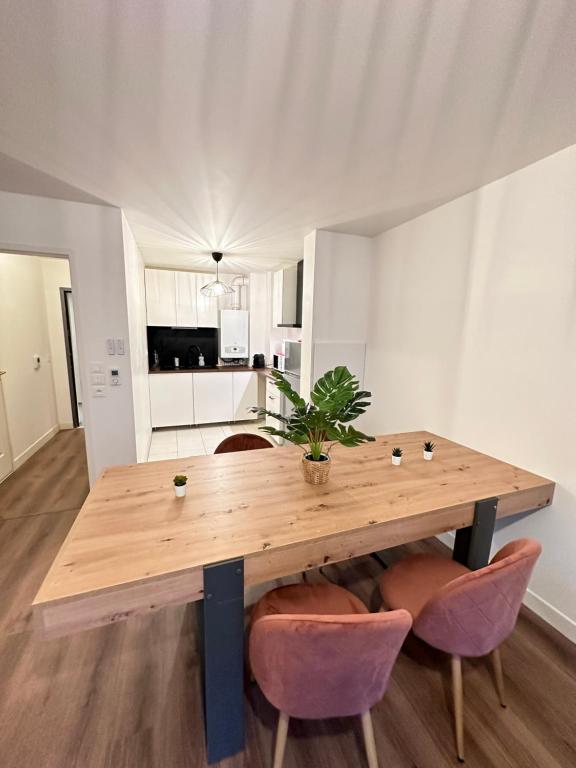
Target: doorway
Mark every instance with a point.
(5, 449)
(72, 356)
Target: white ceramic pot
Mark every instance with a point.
(428, 455)
(396, 460)
(180, 490)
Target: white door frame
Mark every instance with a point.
(6, 463)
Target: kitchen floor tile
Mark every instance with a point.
(162, 455)
(195, 451)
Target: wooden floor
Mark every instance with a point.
(128, 695)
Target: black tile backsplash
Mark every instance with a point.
(182, 343)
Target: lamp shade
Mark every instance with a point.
(216, 287)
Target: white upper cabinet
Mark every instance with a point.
(160, 297)
(186, 300)
(277, 285)
(207, 308)
(173, 298)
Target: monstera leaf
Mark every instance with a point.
(334, 390)
(348, 436)
(336, 400)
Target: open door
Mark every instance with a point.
(72, 356)
(5, 451)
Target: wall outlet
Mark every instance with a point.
(97, 378)
(115, 377)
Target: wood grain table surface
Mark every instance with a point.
(135, 548)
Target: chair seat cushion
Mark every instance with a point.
(411, 582)
(308, 599)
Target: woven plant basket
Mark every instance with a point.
(316, 472)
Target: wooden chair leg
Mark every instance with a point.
(498, 674)
(369, 742)
(458, 693)
(281, 734)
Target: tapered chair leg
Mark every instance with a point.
(458, 694)
(369, 742)
(281, 734)
(498, 674)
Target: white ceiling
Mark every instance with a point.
(240, 125)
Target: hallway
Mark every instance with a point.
(128, 695)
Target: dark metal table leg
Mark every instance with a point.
(221, 617)
(379, 559)
(472, 545)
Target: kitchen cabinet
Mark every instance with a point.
(173, 299)
(273, 403)
(186, 302)
(213, 397)
(287, 289)
(160, 297)
(245, 394)
(171, 399)
(207, 308)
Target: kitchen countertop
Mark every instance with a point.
(219, 369)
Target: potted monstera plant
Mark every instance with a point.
(335, 401)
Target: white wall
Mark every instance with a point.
(28, 392)
(91, 236)
(336, 311)
(56, 275)
(474, 338)
(136, 305)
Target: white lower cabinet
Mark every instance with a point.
(245, 390)
(179, 399)
(213, 397)
(171, 399)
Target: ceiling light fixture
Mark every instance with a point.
(216, 287)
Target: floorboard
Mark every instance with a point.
(128, 695)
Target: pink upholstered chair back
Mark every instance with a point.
(326, 666)
(473, 614)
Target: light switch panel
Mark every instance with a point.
(96, 367)
(119, 346)
(110, 347)
(98, 378)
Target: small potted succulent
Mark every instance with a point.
(335, 400)
(428, 450)
(396, 456)
(180, 485)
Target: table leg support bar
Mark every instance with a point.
(472, 545)
(221, 617)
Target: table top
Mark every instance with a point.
(255, 504)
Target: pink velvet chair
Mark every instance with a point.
(316, 652)
(463, 612)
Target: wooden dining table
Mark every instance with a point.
(249, 517)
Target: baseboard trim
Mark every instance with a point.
(541, 607)
(65, 425)
(551, 615)
(36, 445)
